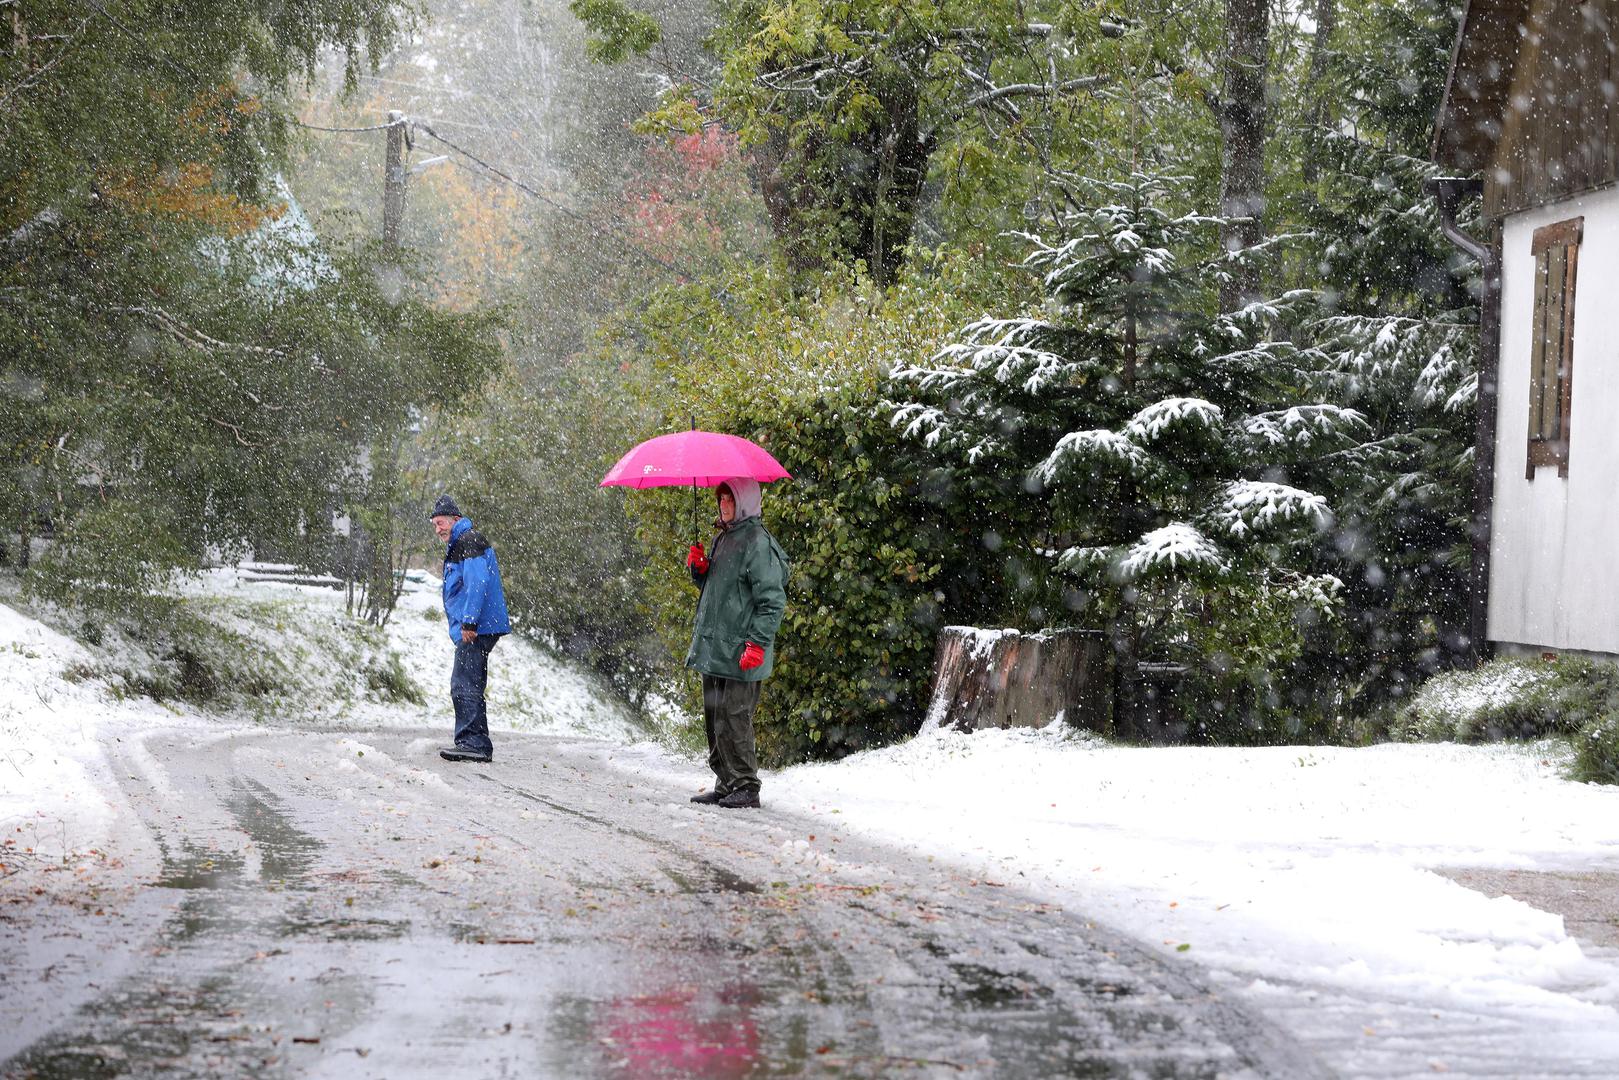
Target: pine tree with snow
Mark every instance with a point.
(1153, 436)
(1397, 340)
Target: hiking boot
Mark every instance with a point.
(464, 753)
(707, 798)
(741, 798)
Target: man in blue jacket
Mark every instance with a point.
(475, 605)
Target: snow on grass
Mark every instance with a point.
(529, 689)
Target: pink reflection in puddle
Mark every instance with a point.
(682, 1032)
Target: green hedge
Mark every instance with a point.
(870, 542)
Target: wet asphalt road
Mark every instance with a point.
(360, 909)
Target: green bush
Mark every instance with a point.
(872, 547)
(1511, 698)
(115, 560)
(385, 677)
(1596, 750)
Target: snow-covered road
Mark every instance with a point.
(344, 904)
(1353, 897)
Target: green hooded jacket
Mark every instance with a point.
(743, 595)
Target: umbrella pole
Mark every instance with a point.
(694, 492)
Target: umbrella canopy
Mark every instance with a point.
(698, 458)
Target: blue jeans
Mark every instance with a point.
(468, 678)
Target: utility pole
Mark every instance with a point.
(393, 182)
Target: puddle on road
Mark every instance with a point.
(198, 868)
(151, 1027)
(685, 1031)
(987, 988)
(356, 929)
(285, 852)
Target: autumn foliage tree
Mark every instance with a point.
(175, 348)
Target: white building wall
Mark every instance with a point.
(1554, 549)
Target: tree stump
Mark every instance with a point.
(1005, 678)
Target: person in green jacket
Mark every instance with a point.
(742, 595)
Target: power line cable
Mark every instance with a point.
(321, 127)
(594, 227)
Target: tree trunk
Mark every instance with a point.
(1242, 127)
(1002, 678)
(19, 36)
(1326, 18)
(853, 201)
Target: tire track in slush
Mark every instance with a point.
(312, 935)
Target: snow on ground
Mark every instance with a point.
(52, 802)
(529, 689)
(1301, 876)
(58, 805)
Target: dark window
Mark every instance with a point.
(1556, 249)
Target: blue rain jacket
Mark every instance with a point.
(473, 595)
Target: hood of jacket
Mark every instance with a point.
(748, 495)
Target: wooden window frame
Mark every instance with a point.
(1566, 235)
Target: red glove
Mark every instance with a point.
(752, 657)
(696, 559)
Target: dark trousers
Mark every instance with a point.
(468, 678)
(728, 706)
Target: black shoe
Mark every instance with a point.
(707, 798)
(741, 798)
(464, 753)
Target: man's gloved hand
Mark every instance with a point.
(696, 559)
(752, 657)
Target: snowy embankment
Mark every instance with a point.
(308, 666)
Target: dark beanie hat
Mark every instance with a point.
(445, 505)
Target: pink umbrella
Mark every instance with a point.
(698, 458)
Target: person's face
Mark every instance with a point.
(727, 507)
(443, 523)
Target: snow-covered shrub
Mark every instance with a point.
(219, 652)
(1596, 751)
(113, 561)
(1509, 698)
(1158, 440)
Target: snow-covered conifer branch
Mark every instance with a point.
(1180, 413)
(1305, 427)
(1250, 506)
(1098, 446)
(1087, 561)
(1176, 547)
